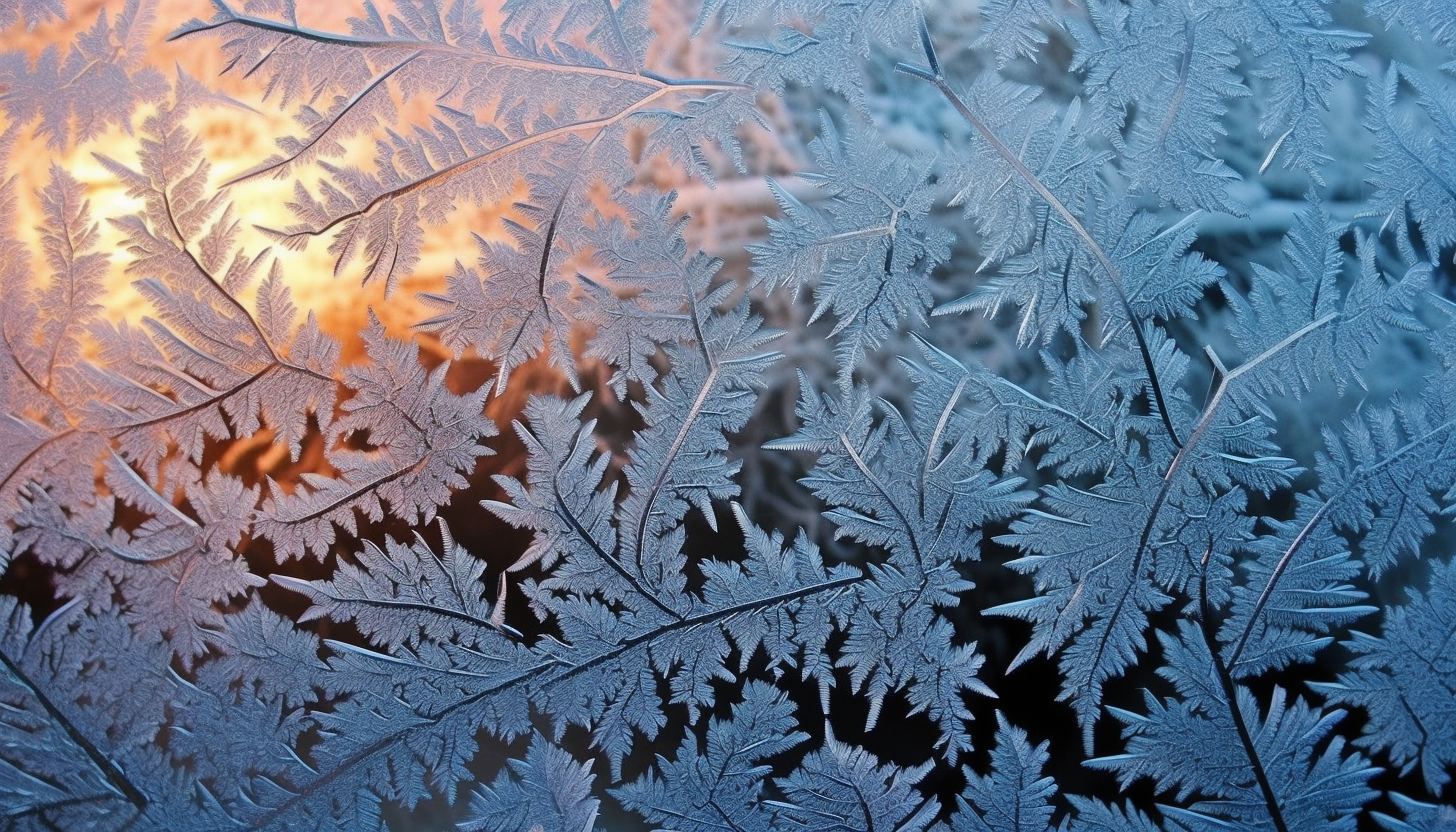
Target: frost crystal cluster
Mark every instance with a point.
(767, 414)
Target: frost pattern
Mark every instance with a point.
(1207, 480)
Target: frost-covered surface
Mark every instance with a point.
(257, 574)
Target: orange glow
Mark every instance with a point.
(235, 139)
